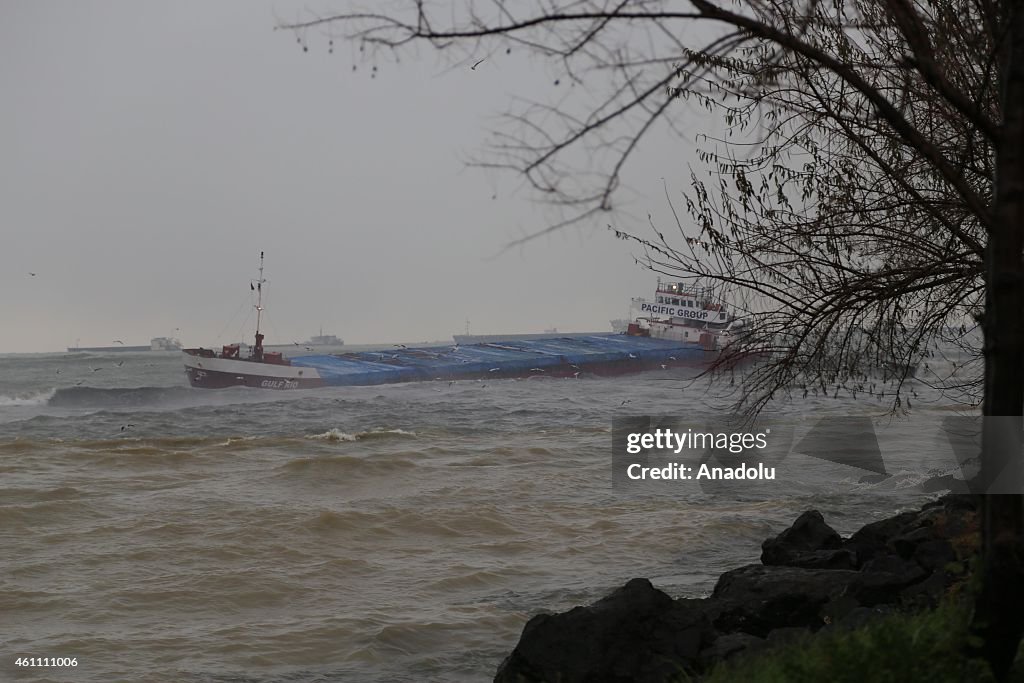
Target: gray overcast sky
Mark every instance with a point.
(151, 150)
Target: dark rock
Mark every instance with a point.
(927, 593)
(862, 616)
(873, 539)
(807, 581)
(893, 564)
(808, 534)
(636, 633)
(758, 599)
(906, 544)
(823, 559)
(837, 608)
(729, 645)
(877, 588)
(934, 555)
(786, 634)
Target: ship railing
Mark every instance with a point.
(683, 289)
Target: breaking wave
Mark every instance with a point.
(39, 398)
(336, 434)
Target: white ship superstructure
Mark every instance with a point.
(684, 312)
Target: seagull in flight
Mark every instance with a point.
(119, 363)
(401, 346)
(625, 402)
(32, 274)
(117, 341)
(494, 369)
(125, 428)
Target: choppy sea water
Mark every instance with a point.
(156, 532)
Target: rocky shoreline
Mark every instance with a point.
(810, 579)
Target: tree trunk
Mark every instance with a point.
(999, 610)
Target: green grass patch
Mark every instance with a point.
(898, 648)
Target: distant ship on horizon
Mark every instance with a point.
(324, 340)
(155, 344)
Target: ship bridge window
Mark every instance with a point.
(689, 303)
(661, 299)
(721, 316)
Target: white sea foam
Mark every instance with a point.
(39, 398)
(334, 434)
(378, 430)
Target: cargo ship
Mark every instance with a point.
(155, 344)
(681, 327)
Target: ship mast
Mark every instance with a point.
(258, 350)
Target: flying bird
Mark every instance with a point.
(126, 427)
(625, 402)
(32, 274)
(473, 68)
(117, 341)
(494, 369)
(119, 363)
